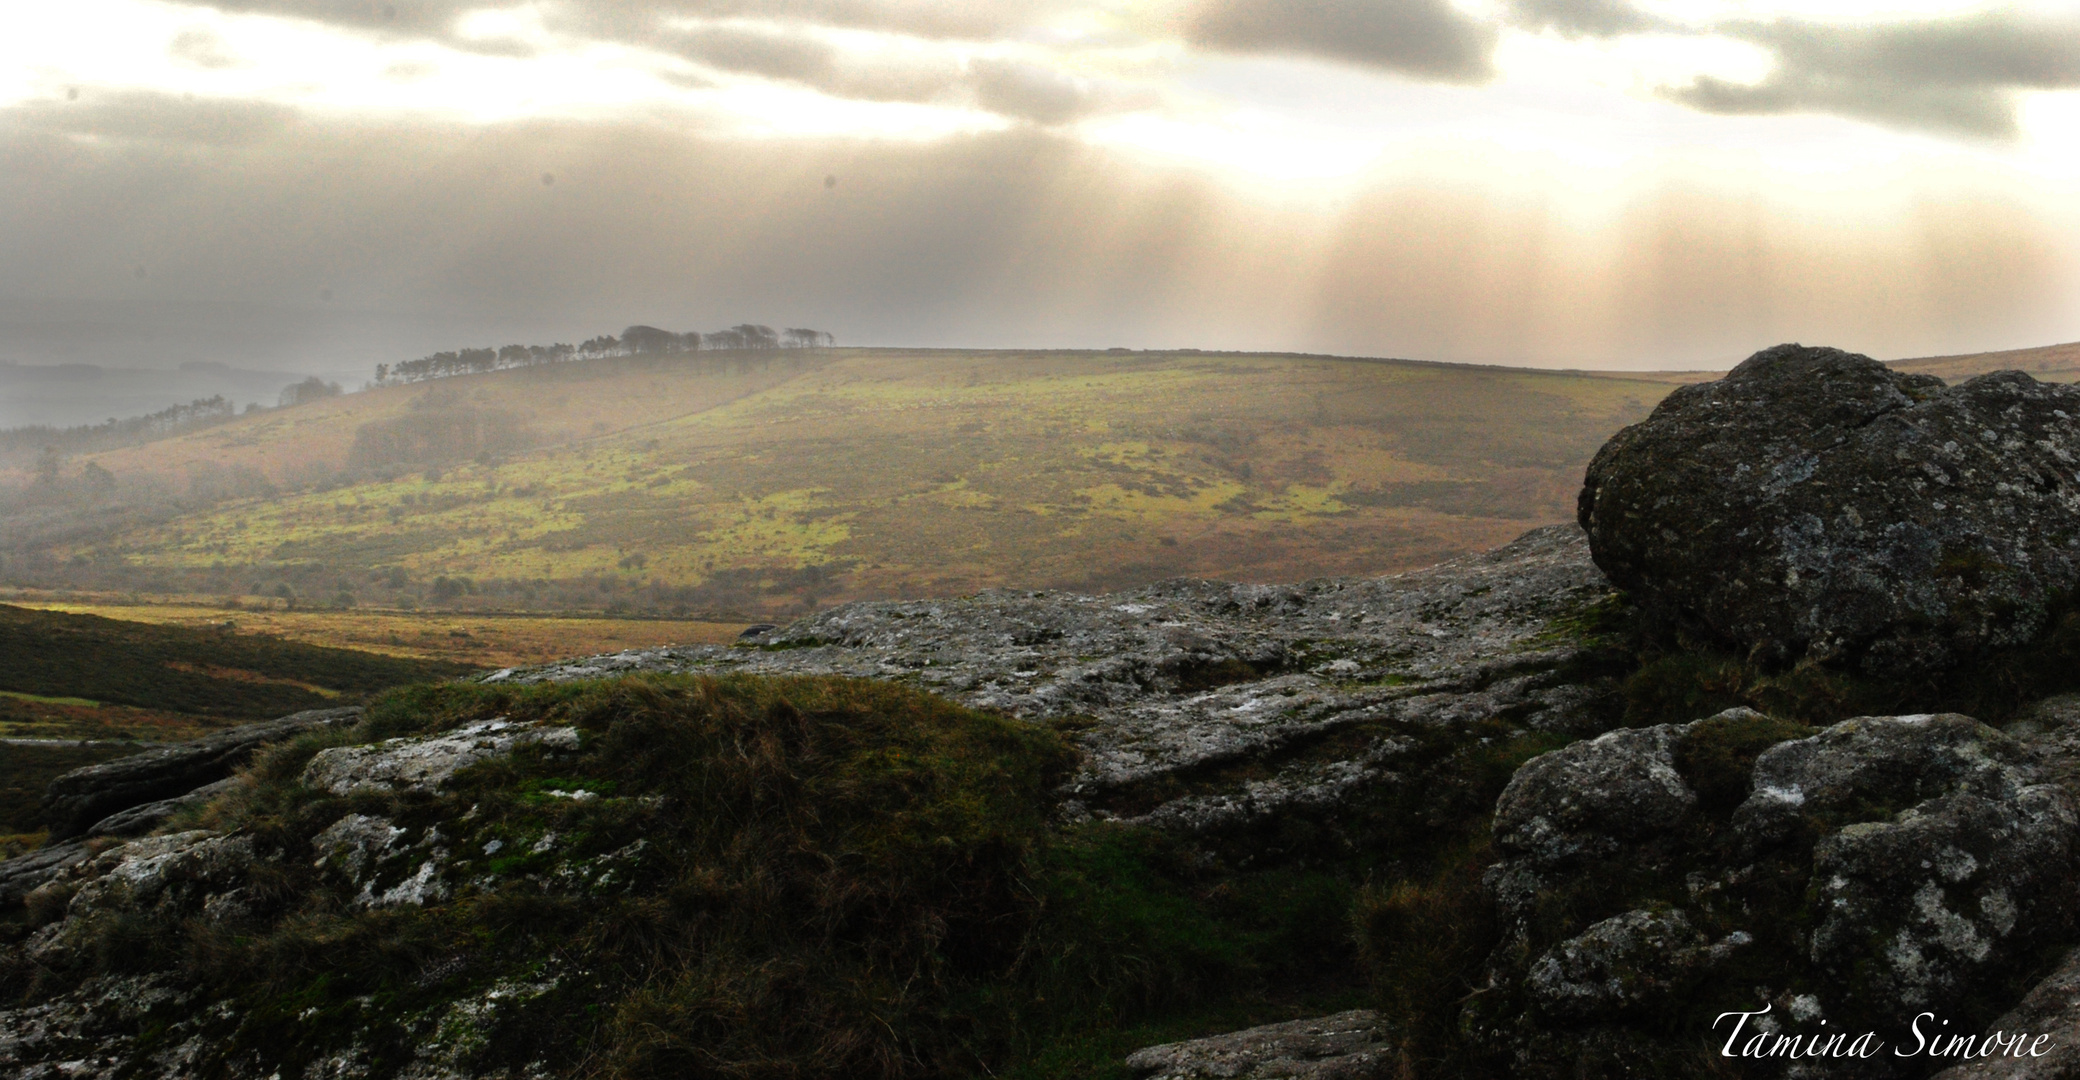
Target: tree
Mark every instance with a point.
(311, 389)
(47, 465)
(649, 339)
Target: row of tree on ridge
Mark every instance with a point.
(634, 340)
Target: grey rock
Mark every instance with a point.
(1352, 1045)
(361, 847)
(180, 869)
(2039, 1039)
(139, 820)
(1875, 762)
(1590, 797)
(74, 802)
(23, 874)
(1816, 504)
(1921, 909)
(1621, 965)
(1176, 677)
(424, 763)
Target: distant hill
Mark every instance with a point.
(2050, 363)
(757, 484)
(768, 482)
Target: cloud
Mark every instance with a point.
(797, 56)
(1031, 92)
(1595, 18)
(1428, 39)
(1951, 75)
(141, 117)
(762, 52)
(644, 19)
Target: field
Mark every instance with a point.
(762, 487)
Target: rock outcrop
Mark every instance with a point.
(1814, 504)
(1351, 1045)
(1165, 685)
(1925, 854)
(76, 801)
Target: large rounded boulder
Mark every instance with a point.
(1815, 504)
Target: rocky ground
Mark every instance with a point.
(1708, 892)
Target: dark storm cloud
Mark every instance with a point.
(1425, 38)
(1955, 75)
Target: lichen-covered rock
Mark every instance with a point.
(1924, 853)
(1587, 798)
(74, 802)
(372, 856)
(423, 763)
(1916, 910)
(1623, 964)
(184, 869)
(138, 820)
(1171, 681)
(1816, 504)
(2045, 1024)
(1347, 1046)
(1874, 764)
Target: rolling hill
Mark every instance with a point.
(761, 484)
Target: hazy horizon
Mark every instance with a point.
(1559, 183)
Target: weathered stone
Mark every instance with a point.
(1621, 965)
(1921, 909)
(183, 869)
(74, 802)
(1879, 763)
(1816, 504)
(1588, 798)
(2039, 1039)
(424, 763)
(1174, 678)
(21, 875)
(1347, 1046)
(139, 820)
(359, 846)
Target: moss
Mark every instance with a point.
(1682, 687)
(1717, 756)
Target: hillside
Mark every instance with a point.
(2049, 363)
(757, 484)
(762, 484)
(79, 677)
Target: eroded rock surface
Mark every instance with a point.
(424, 763)
(76, 801)
(1925, 853)
(1816, 504)
(1175, 680)
(1347, 1046)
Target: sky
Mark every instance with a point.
(324, 185)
